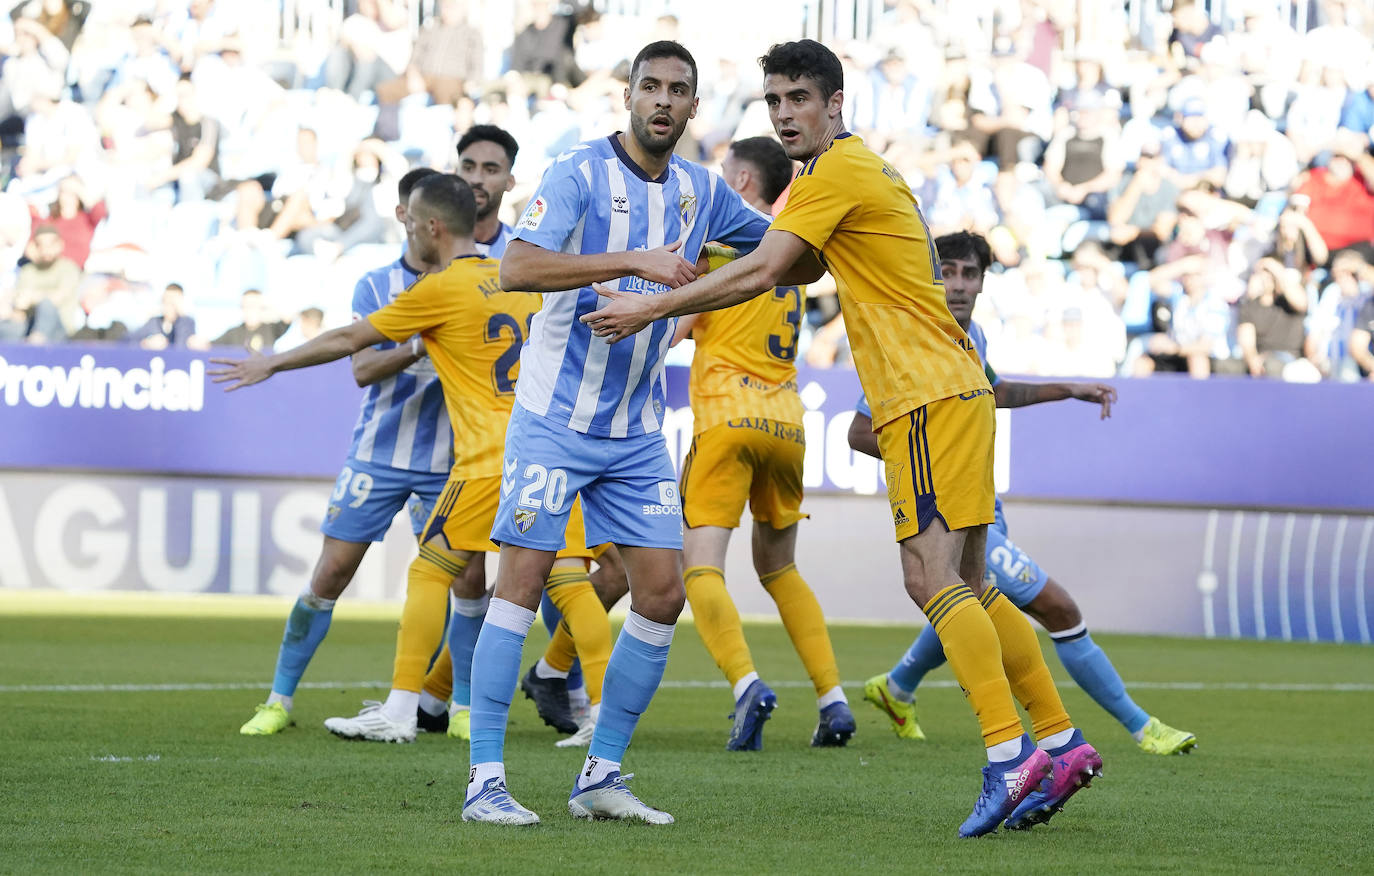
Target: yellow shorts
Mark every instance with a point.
(466, 510)
(939, 463)
(750, 459)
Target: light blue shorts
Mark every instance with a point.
(1018, 576)
(628, 487)
(367, 497)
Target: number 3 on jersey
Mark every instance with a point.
(500, 327)
(783, 345)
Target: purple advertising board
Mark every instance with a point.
(1224, 442)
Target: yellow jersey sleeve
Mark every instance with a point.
(421, 307)
(745, 359)
(859, 213)
(816, 209)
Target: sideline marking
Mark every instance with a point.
(1260, 686)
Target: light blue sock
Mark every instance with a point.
(925, 654)
(1093, 672)
(464, 626)
(306, 627)
(632, 676)
(552, 618)
(495, 670)
(549, 613)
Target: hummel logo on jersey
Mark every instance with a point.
(899, 518)
(508, 480)
(620, 204)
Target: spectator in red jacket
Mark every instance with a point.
(1342, 193)
(75, 215)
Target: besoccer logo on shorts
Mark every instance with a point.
(668, 504)
(667, 493)
(524, 519)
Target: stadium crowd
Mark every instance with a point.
(1195, 195)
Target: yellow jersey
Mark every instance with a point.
(858, 213)
(473, 330)
(745, 359)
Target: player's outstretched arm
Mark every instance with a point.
(742, 279)
(528, 267)
(1013, 394)
(329, 346)
(373, 366)
(862, 437)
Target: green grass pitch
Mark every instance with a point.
(139, 781)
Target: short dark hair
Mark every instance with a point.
(771, 161)
(805, 58)
(965, 245)
(490, 134)
(411, 178)
(451, 200)
(176, 286)
(663, 49)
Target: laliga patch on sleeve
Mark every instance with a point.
(667, 493)
(534, 214)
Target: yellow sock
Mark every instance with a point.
(439, 679)
(562, 650)
(1025, 667)
(585, 617)
(717, 621)
(970, 643)
(422, 617)
(805, 624)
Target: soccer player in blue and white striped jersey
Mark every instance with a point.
(486, 155)
(625, 211)
(402, 448)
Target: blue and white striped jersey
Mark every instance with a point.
(496, 247)
(595, 199)
(403, 423)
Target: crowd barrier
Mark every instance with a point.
(1226, 507)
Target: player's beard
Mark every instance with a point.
(656, 144)
(491, 205)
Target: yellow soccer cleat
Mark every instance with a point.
(460, 724)
(1160, 738)
(902, 715)
(270, 718)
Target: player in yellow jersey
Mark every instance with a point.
(747, 445)
(932, 408)
(473, 330)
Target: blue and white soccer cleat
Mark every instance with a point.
(755, 707)
(494, 805)
(1076, 764)
(1005, 785)
(835, 727)
(610, 800)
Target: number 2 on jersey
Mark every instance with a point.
(783, 345)
(503, 369)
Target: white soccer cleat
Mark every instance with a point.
(581, 739)
(610, 800)
(494, 805)
(373, 725)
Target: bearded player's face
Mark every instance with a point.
(661, 101)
